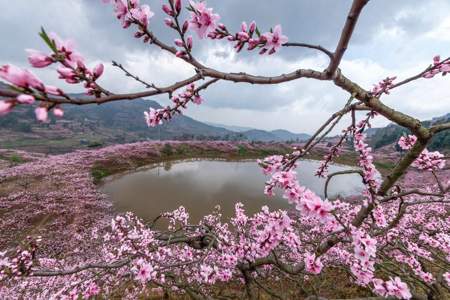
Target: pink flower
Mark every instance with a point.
(197, 99)
(406, 142)
(203, 20)
(98, 71)
(383, 86)
(91, 290)
(274, 40)
(446, 277)
(206, 272)
(121, 9)
(67, 74)
(142, 14)
(67, 48)
(437, 67)
(152, 117)
(38, 59)
(189, 42)
(396, 287)
(445, 67)
(313, 265)
(145, 272)
(429, 160)
(41, 114)
(53, 90)
(25, 99)
(378, 287)
(316, 207)
(5, 107)
(58, 112)
(20, 77)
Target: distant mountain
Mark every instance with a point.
(230, 127)
(253, 134)
(379, 137)
(96, 125)
(275, 135)
(259, 135)
(129, 116)
(116, 122)
(289, 136)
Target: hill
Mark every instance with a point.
(390, 134)
(113, 123)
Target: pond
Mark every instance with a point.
(200, 185)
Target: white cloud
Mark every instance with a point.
(440, 32)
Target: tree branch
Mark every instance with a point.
(346, 34)
(317, 47)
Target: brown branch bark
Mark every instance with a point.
(316, 47)
(347, 31)
(330, 176)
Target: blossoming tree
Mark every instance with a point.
(393, 240)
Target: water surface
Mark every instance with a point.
(200, 185)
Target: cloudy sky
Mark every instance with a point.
(392, 38)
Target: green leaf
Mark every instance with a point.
(257, 32)
(50, 43)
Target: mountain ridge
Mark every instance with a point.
(116, 122)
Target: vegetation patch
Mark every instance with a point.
(99, 172)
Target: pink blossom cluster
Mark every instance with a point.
(365, 254)
(173, 10)
(212, 252)
(19, 264)
(179, 215)
(371, 175)
(304, 199)
(271, 164)
(72, 70)
(383, 86)
(413, 261)
(334, 152)
(130, 11)
(72, 67)
(394, 287)
(203, 21)
(155, 117)
(22, 79)
(427, 160)
(313, 265)
(260, 234)
(366, 160)
(437, 67)
(269, 42)
(406, 142)
(446, 277)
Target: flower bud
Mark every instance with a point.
(189, 42)
(167, 10)
(179, 42)
(185, 27)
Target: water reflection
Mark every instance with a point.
(200, 185)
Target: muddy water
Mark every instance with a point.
(200, 185)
